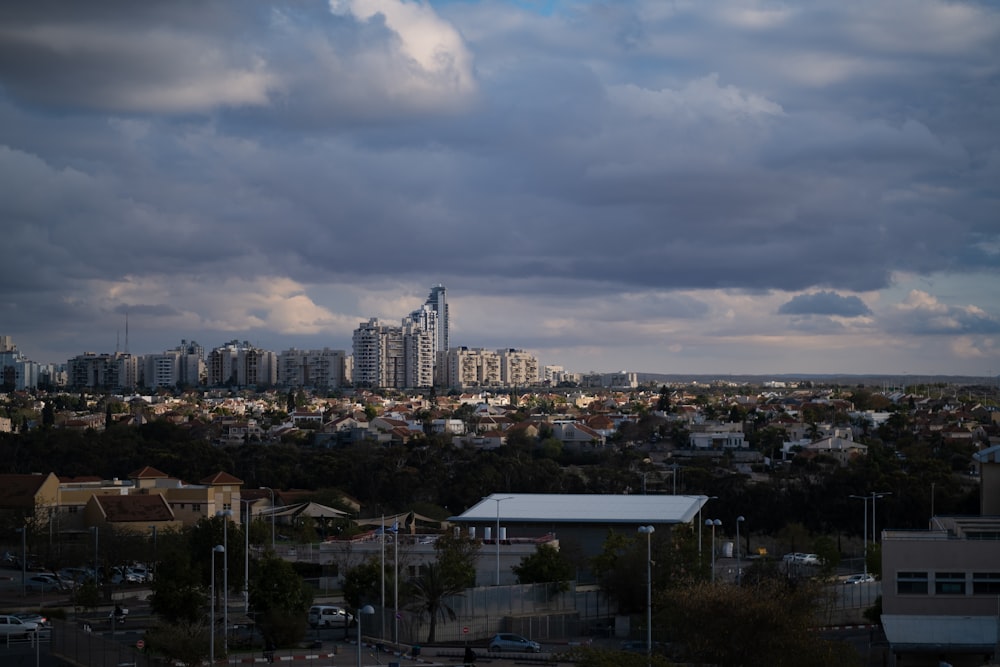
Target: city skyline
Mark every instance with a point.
(728, 188)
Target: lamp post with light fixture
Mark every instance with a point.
(739, 568)
(367, 610)
(648, 532)
(217, 549)
(713, 524)
(248, 514)
(497, 536)
(269, 489)
(864, 532)
(225, 514)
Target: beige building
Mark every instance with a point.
(941, 586)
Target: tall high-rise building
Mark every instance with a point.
(16, 371)
(324, 369)
(438, 302)
(103, 371)
(242, 364)
(182, 366)
(379, 355)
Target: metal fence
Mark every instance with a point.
(74, 641)
(537, 610)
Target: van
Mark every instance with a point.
(329, 616)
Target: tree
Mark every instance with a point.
(86, 595)
(280, 599)
(361, 583)
(663, 402)
(615, 568)
(179, 593)
(429, 592)
(595, 657)
(48, 414)
(764, 625)
(187, 643)
(546, 565)
(456, 560)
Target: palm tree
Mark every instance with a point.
(429, 592)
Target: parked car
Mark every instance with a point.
(125, 576)
(41, 622)
(43, 583)
(12, 626)
(329, 616)
(77, 575)
(859, 579)
(506, 641)
(797, 558)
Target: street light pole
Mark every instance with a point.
(699, 524)
(497, 536)
(881, 494)
(97, 533)
(267, 488)
(712, 523)
(381, 577)
(152, 569)
(246, 556)
(366, 610)
(648, 531)
(864, 553)
(218, 548)
(24, 560)
(739, 569)
(225, 514)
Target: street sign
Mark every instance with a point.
(465, 629)
(139, 644)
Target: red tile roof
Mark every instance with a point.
(125, 509)
(221, 478)
(147, 472)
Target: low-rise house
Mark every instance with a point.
(577, 435)
(843, 450)
(717, 436)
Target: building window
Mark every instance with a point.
(911, 583)
(949, 583)
(986, 583)
(227, 507)
(73, 509)
(195, 507)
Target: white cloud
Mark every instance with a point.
(431, 57)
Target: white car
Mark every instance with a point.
(329, 616)
(12, 626)
(859, 579)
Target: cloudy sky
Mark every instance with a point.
(674, 186)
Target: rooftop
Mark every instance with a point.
(584, 508)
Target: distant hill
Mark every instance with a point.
(874, 380)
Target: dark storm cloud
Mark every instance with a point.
(146, 309)
(610, 152)
(825, 303)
